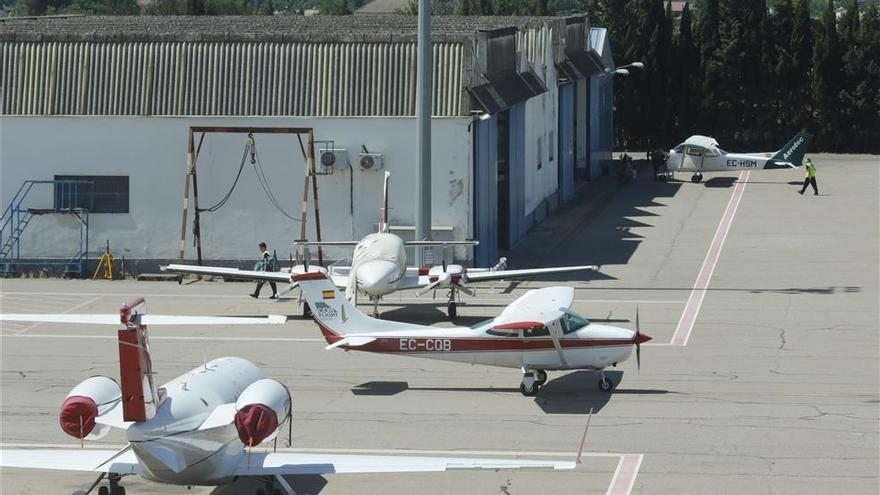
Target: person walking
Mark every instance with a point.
(810, 179)
(264, 265)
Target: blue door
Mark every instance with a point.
(566, 153)
(485, 194)
(517, 172)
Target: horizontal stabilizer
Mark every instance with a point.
(86, 460)
(352, 341)
(282, 463)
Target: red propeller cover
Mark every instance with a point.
(78, 415)
(255, 422)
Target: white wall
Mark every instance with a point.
(152, 151)
(541, 123)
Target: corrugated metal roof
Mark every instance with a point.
(179, 78)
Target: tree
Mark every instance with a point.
(686, 76)
(826, 77)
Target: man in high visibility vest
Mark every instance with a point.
(264, 265)
(810, 179)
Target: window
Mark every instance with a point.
(572, 323)
(96, 193)
(541, 331)
(551, 144)
(540, 154)
(693, 151)
(502, 333)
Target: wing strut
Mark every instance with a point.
(555, 331)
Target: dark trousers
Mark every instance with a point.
(810, 181)
(260, 287)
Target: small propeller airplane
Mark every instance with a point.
(535, 333)
(198, 428)
(700, 154)
(379, 268)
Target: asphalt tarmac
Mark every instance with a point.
(764, 382)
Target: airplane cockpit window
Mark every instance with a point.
(679, 148)
(693, 151)
(710, 152)
(572, 323)
(502, 333)
(541, 331)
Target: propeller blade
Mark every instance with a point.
(638, 344)
(466, 290)
(428, 288)
(444, 262)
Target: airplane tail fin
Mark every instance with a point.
(333, 313)
(140, 397)
(383, 212)
(792, 154)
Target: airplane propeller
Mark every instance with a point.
(638, 343)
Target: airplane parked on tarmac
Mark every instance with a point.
(700, 154)
(197, 429)
(379, 268)
(537, 332)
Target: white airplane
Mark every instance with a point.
(700, 154)
(198, 428)
(535, 333)
(379, 268)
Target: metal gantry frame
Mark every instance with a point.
(192, 156)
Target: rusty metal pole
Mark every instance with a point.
(189, 164)
(310, 160)
(197, 215)
(305, 202)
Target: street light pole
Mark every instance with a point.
(424, 99)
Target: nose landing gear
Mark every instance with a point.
(696, 178)
(532, 381)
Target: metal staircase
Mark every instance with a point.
(70, 197)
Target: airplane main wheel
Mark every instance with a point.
(540, 377)
(119, 490)
(696, 178)
(103, 490)
(605, 384)
(451, 310)
(529, 390)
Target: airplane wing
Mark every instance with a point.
(535, 306)
(282, 463)
(113, 319)
(228, 272)
(529, 272)
(71, 460)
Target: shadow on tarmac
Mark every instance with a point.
(570, 393)
(720, 182)
(308, 484)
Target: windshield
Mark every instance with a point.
(572, 323)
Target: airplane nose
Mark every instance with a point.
(375, 274)
(641, 338)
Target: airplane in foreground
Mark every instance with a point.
(535, 333)
(198, 428)
(379, 268)
(700, 154)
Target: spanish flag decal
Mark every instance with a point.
(328, 294)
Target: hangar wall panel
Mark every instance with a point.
(565, 172)
(485, 192)
(152, 152)
(516, 170)
(223, 78)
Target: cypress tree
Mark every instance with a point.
(710, 64)
(801, 53)
(686, 75)
(826, 77)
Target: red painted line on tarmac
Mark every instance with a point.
(692, 308)
(625, 476)
(71, 310)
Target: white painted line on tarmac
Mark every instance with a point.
(695, 300)
(167, 337)
(386, 300)
(78, 306)
(625, 475)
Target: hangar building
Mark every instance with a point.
(100, 108)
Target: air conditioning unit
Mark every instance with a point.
(372, 161)
(331, 157)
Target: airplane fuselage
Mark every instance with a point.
(685, 161)
(593, 347)
(170, 447)
(379, 264)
